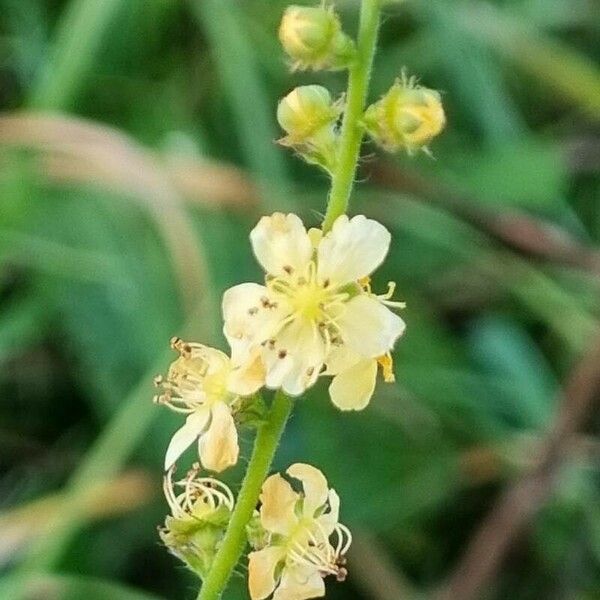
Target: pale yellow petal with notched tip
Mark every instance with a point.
(353, 249)
(281, 244)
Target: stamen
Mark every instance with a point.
(386, 298)
(210, 491)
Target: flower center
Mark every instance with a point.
(309, 300)
(215, 386)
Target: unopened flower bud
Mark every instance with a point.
(407, 117)
(313, 38)
(305, 111)
(309, 116)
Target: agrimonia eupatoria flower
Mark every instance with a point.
(309, 117)
(304, 541)
(203, 384)
(407, 117)
(315, 308)
(200, 511)
(313, 38)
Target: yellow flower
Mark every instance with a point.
(407, 117)
(203, 384)
(314, 308)
(300, 526)
(200, 513)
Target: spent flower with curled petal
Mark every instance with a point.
(203, 384)
(316, 310)
(304, 541)
(200, 511)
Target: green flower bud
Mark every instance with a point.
(309, 116)
(305, 111)
(313, 38)
(407, 117)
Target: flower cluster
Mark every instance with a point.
(313, 316)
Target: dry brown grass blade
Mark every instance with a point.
(74, 150)
(514, 229)
(19, 526)
(516, 507)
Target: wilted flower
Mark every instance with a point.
(200, 513)
(203, 384)
(313, 38)
(316, 306)
(299, 552)
(407, 117)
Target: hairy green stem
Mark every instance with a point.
(265, 445)
(352, 131)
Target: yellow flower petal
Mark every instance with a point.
(368, 327)
(186, 435)
(294, 360)
(300, 583)
(341, 358)
(278, 502)
(247, 378)
(250, 316)
(215, 359)
(327, 521)
(261, 571)
(353, 249)
(314, 484)
(281, 244)
(218, 447)
(352, 389)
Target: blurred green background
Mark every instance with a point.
(136, 153)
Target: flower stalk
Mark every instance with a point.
(352, 129)
(232, 546)
(316, 316)
(269, 434)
